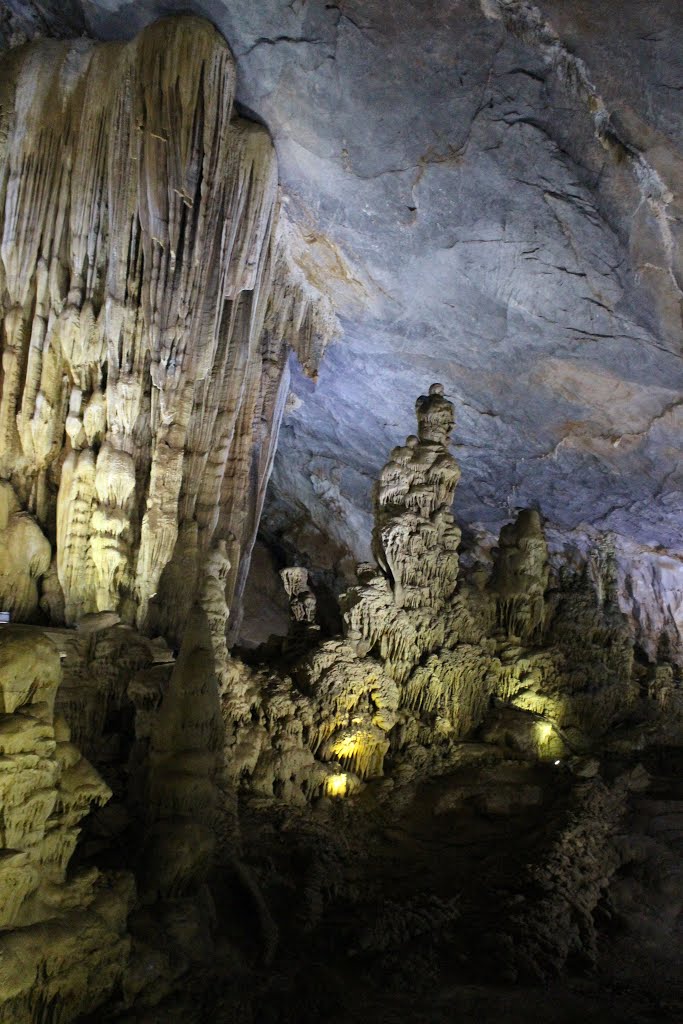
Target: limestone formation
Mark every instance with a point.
(24, 557)
(63, 940)
(97, 668)
(181, 796)
(190, 830)
(419, 668)
(416, 538)
(302, 603)
(148, 306)
(430, 672)
(520, 577)
(424, 662)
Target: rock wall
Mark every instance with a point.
(63, 939)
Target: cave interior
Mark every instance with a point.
(341, 511)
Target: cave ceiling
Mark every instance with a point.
(488, 191)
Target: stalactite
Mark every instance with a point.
(150, 307)
(24, 557)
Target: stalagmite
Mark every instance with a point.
(302, 601)
(520, 577)
(181, 796)
(416, 539)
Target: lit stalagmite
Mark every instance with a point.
(344, 699)
(427, 660)
(148, 305)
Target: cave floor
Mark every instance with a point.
(388, 907)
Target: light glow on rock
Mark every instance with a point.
(336, 785)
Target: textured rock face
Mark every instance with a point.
(63, 940)
(490, 189)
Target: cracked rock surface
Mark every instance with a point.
(489, 190)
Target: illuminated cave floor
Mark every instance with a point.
(345, 886)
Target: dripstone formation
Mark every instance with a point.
(423, 663)
(472, 787)
(149, 304)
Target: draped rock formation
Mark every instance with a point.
(24, 556)
(148, 305)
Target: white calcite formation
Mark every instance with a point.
(148, 305)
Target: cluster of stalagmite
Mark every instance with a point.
(543, 666)
(424, 661)
(148, 304)
(330, 721)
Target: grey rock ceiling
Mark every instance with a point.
(489, 191)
